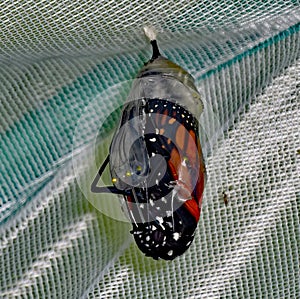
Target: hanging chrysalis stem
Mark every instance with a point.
(155, 49)
(151, 34)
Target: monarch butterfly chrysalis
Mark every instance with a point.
(155, 157)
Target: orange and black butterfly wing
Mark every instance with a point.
(173, 198)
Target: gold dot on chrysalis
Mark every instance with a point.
(114, 180)
(128, 173)
(139, 168)
(171, 121)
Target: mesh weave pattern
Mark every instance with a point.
(59, 57)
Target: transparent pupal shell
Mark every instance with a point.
(163, 79)
(158, 79)
(129, 161)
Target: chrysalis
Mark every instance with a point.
(155, 157)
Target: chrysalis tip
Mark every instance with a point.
(150, 33)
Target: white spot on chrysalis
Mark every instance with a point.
(170, 252)
(159, 219)
(169, 224)
(148, 238)
(176, 236)
(152, 139)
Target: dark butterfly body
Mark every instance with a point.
(156, 163)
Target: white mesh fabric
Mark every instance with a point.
(56, 58)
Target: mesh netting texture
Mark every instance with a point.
(66, 66)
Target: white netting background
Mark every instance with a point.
(58, 57)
